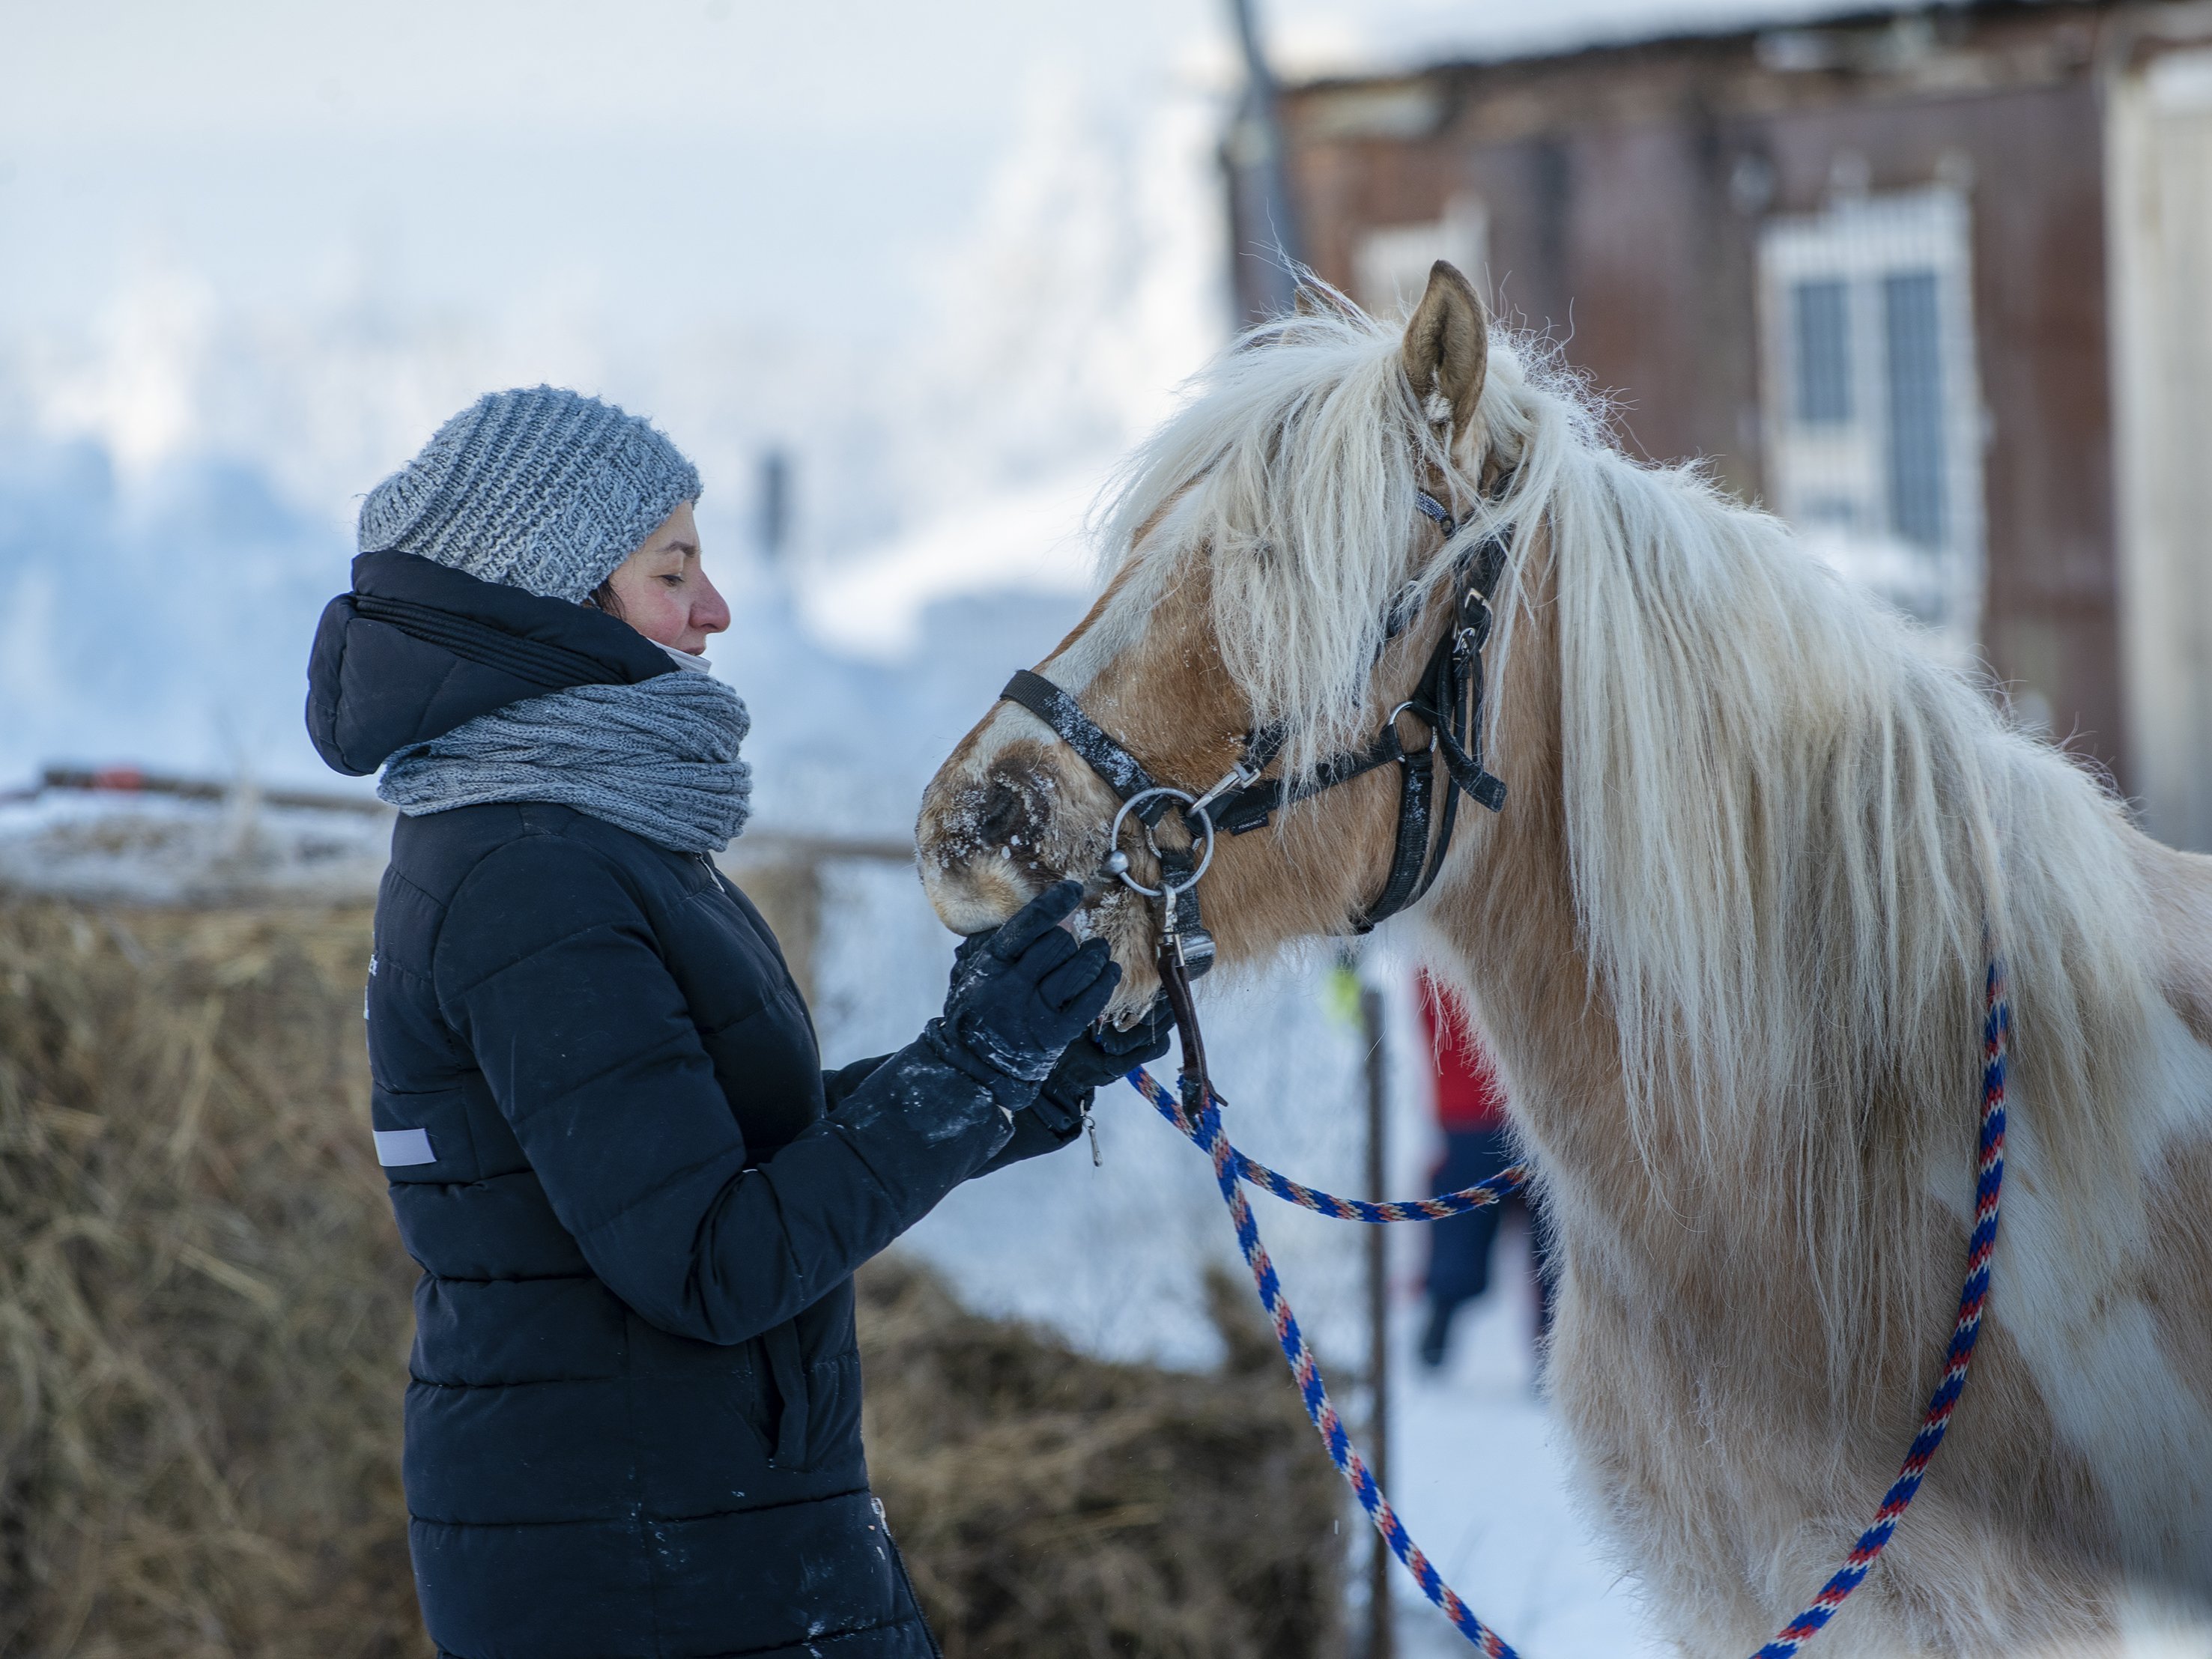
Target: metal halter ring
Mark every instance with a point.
(1166, 890)
(1390, 720)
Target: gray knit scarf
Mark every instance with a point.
(659, 759)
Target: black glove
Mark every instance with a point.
(1101, 1055)
(1020, 997)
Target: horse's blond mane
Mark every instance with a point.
(1788, 825)
(1293, 468)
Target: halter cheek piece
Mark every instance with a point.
(1447, 699)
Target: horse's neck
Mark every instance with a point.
(1511, 938)
(1507, 927)
(1505, 918)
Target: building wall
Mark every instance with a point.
(1622, 195)
(2160, 196)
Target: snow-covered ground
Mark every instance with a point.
(1481, 1480)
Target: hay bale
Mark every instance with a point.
(203, 1305)
(1050, 1503)
(203, 1326)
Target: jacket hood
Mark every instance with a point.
(416, 649)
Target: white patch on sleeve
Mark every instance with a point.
(397, 1147)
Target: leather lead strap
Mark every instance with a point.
(1194, 1083)
(1176, 869)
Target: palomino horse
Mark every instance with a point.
(1726, 941)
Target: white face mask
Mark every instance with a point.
(684, 659)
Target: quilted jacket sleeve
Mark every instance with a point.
(838, 1086)
(549, 970)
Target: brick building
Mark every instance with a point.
(1936, 284)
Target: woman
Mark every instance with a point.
(638, 1202)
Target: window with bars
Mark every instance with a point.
(1873, 412)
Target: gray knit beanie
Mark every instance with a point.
(537, 488)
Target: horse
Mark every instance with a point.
(1726, 941)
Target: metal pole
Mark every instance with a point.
(1382, 1630)
(773, 519)
(1261, 182)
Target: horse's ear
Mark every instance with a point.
(1448, 343)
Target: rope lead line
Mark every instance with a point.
(1466, 1199)
(1232, 1169)
(1304, 1370)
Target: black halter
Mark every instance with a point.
(1447, 699)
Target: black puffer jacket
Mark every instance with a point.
(633, 1425)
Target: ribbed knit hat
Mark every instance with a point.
(537, 488)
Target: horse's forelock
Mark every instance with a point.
(1290, 472)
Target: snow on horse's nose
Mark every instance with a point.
(988, 835)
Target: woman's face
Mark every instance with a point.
(662, 590)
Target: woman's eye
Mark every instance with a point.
(673, 581)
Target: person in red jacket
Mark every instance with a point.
(1478, 1145)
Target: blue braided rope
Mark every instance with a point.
(1466, 1199)
(1232, 1169)
(1305, 1370)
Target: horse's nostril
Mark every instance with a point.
(1003, 811)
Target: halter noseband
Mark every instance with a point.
(1447, 699)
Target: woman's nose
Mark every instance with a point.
(710, 611)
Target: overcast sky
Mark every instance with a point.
(950, 258)
(675, 157)
(107, 67)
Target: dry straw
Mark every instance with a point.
(203, 1325)
(203, 1307)
(1052, 1504)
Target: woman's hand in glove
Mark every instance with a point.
(1103, 1055)
(1096, 1058)
(1019, 1002)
